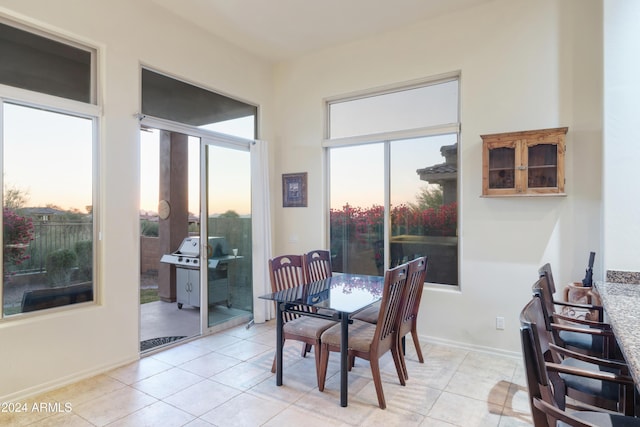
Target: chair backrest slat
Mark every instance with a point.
(286, 271)
(416, 274)
(317, 265)
(394, 283)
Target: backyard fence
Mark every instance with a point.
(50, 236)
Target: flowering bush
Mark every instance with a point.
(368, 224)
(17, 234)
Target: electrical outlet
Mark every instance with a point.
(500, 323)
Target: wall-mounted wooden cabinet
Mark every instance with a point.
(527, 163)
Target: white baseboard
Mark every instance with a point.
(41, 388)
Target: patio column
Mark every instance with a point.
(174, 190)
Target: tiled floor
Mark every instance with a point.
(225, 380)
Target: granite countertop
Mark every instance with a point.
(621, 302)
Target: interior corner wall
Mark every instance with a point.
(524, 66)
(621, 135)
(47, 350)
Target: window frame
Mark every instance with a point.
(387, 139)
(55, 104)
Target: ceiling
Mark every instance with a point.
(282, 29)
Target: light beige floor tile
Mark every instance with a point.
(181, 353)
(22, 413)
(245, 350)
(431, 422)
(217, 341)
(516, 411)
(393, 417)
(465, 412)
(297, 416)
(113, 406)
(210, 364)
(202, 397)
(167, 382)
(329, 400)
(157, 414)
(480, 386)
(86, 390)
(489, 363)
(66, 420)
(225, 380)
(139, 370)
(244, 410)
(199, 422)
(243, 376)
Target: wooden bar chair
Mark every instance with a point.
(545, 410)
(586, 336)
(593, 381)
(286, 271)
(371, 341)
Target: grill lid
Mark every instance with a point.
(190, 247)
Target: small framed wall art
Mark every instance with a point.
(294, 190)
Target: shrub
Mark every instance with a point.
(84, 254)
(59, 266)
(148, 228)
(17, 234)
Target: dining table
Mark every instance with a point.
(621, 303)
(338, 297)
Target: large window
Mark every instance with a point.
(393, 180)
(48, 172)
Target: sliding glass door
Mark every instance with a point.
(227, 205)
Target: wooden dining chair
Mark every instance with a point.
(593, 381)
(286, 271)
(371, 341)
(416, 273)
(317, 265)
(545, 410)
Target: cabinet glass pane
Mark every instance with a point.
(502, 167)
(543, 170)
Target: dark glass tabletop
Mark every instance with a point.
(346, 293)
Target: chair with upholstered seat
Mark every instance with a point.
(416, 273)
(593, 381)
(371, 341)
(286, 271)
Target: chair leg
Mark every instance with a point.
(317, 349)
(305, 349)
(324, 362)
(416, 343)
(377, 381)
(398, 360)
(403, 363)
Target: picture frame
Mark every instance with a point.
(294, 190)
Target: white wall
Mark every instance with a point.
(524, 65)
(621, 135)
(48, 350)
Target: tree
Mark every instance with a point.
(15, 198)
(429, 196)
(230, 214)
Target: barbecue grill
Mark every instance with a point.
(187, 255)
(187, 261)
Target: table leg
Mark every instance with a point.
(344, 359)
(279, 343)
